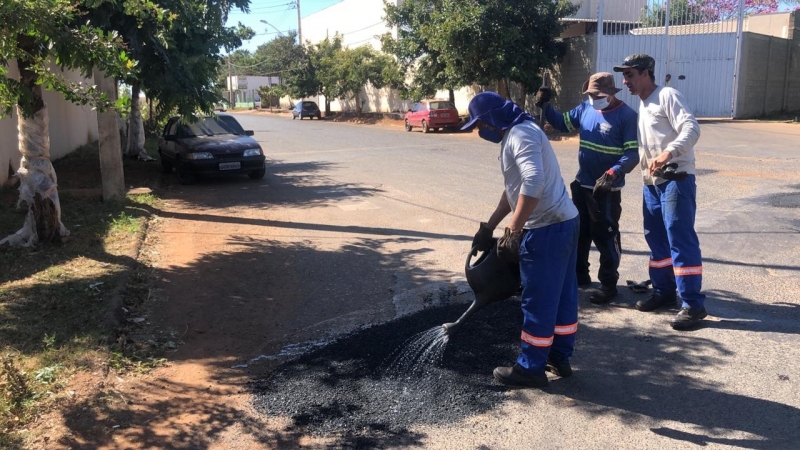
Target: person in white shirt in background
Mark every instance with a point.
(668, 132)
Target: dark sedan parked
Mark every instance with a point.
(306, 109)
(212, 145)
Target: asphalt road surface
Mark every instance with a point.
(358, 225)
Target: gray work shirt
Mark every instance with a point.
(530, 167)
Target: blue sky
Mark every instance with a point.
(279, 13)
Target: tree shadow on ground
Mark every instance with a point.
(729, 310)
(95, 421)
(659, 375)
(299, 185)
(254, 299)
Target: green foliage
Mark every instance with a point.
(317, 71)
(125, 224)
(355, 67)
(38, 32)
(681, 12)
(422, 62)
(178, 45)
(15, 394)
(329, 69)
(446, 44)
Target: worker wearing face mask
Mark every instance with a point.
(608, 150)
(541, 238)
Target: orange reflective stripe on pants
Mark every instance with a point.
(661, 263)
(685, 271)
(537, 341)
(566, 329)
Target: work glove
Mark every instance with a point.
(604, 183)
(542, 96)
(670, 172)
(508, 247)
(639, 287)
(482, 241)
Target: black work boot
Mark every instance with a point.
(656, 300)
(688, 317)
(584, 280)
(516, 376)
(559, 368)
(604, 295)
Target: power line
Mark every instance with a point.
(362, 29)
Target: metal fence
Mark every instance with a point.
(696, 45)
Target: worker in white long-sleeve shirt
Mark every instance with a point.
(668, 132)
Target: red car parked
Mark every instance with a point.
(432, 115)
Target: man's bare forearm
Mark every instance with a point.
(500, 213)
(525, 207)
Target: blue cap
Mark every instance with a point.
(494, 110)
(480, 105)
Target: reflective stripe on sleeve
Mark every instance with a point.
(568, 122)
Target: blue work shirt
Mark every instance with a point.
(607, 140)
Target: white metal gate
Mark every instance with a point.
(698, 48)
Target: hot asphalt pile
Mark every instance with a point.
(349, 390)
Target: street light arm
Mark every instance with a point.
(273, 26)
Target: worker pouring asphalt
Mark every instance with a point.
(542, 236)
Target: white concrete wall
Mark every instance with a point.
(251, 81)
(625, 10)
(71, 126)
(359, 22)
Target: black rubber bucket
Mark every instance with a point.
(491, 279)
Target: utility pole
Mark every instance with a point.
(230, 83)
(231, 91)
(299, 26)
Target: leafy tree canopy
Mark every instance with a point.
(687, 12)
(450, 43)
(37, 33)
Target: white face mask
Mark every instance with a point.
(599, 104)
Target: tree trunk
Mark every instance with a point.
(327, 107)
(523, 96)
(135, 145)
(38, 184)
(452, 96)
(358, 104)
(111, 172)
(502, 88)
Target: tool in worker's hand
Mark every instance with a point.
(543, 97)
(639, 287)
(670, 172)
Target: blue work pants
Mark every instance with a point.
(675, 261)
(549, 294)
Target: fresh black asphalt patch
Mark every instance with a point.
(343, 390)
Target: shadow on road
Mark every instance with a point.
(233, 306)
(643, 376)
